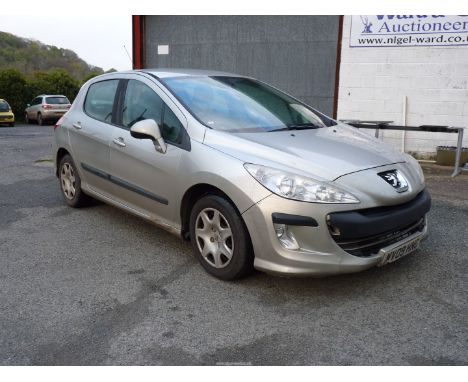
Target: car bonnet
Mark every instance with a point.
(326, 153)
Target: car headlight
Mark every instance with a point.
(297, 187)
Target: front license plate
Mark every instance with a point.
(400, 251)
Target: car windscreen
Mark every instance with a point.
(57, 100)
(239, 104)
(4, 106)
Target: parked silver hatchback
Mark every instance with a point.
(253, 177)
(46, 108)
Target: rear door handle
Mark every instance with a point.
(77, 125)
(119, 142)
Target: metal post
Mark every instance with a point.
(377, 132)
(457, 170)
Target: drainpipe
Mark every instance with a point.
(403, 135)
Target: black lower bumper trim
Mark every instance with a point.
(375, 221)
(279, 218)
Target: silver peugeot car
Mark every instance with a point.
(253, 177)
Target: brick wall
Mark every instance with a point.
(374, 82)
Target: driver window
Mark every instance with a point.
(141, 102)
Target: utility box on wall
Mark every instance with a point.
(297, 54)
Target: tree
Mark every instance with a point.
(97, 73)
(15, 90)
(57, 81)
(89, 76)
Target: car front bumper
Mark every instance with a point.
(321, 251)
(8, 118)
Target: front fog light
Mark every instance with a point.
(285, 236)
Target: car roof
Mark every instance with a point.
(162, 73)
(52, 95)
(171, 72)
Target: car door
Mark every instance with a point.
(34, 108)
(90, 134)
(146, 179)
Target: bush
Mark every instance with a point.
(18, 90)
(15, 90)
(57, 81)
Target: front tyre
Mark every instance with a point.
(220, 239)
(70, 183)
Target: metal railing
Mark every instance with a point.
(385, 125)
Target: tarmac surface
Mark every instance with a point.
(97, 286)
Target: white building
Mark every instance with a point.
(422, 84)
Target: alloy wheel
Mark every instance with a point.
(214, 237)
(68, 181)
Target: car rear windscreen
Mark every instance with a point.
(4, 106)
(57, 100)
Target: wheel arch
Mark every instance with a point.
(191, 196)
(61, 152)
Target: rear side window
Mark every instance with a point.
(99, 101)
(37, 101)
(57, 100)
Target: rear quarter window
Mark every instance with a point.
(100, 98)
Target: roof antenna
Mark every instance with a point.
(128, 54)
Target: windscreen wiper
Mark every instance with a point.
(299, 126)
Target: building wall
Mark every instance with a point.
(374, 81)
(295, 53)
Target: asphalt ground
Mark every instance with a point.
(97, 286)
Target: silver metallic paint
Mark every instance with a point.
(340, 154)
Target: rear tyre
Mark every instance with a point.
(220, 239)
(12, 124)
(70, 183)
(40, 121)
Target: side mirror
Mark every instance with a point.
(149, 129)
(28, 104)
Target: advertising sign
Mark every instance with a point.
(408, 30)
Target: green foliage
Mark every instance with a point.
(29, 68)
(57, 81)
(19, 90)
(29, 56)
(15, 90)
(89, 76)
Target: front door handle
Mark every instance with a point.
(119, 142)
(77, 125)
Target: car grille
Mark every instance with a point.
(371, 245)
